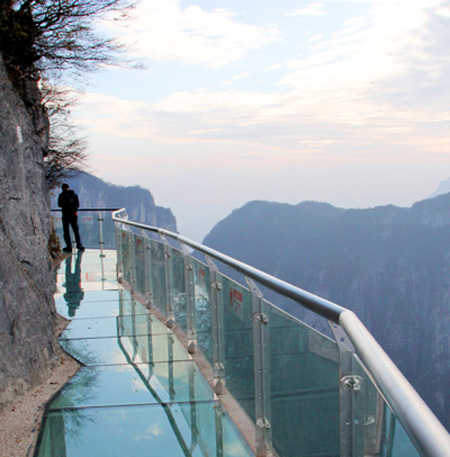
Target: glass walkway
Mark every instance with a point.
(138, 393)
(183, 356)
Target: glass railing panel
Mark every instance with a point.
(239, 354)
(125, 302)
(89, 228)
(202, 308)
(158, 297)
(140, 244)
(381, 434)
(126, 265)
(304, 388)
(179, 288)
(142, 325)
(214, 432)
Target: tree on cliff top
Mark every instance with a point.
(40, 40)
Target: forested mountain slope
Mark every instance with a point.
(390, 265)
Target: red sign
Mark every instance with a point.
(201, 278)
(87, 219)
(236, 301)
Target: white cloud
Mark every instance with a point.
(153, 430)
(236, 78)
(343, 95)
(369, 55)
(161, 30)
(313, 9)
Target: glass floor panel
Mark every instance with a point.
(122, 385)
(108, 351)
(89, 269)
(101, 327)
(171, 430)
(88, 304)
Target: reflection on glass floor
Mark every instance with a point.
(139, 393)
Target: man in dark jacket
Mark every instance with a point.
(69, 203)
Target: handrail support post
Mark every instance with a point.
(148, 282)
(351, 397)
(217, 327)
(261, 363)
(132, 258)
(191, 321)
(168, 270)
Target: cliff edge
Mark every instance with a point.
(27, 315)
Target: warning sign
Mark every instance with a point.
(89, 220)
(201, 278)
(236, 302)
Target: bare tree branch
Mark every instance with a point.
(43, 39)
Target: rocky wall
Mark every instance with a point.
(27, 315)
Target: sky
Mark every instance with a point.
(346, 102)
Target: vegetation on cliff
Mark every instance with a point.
(40, 40)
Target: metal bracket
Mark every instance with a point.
(254, 289)
(351, 397)
(212, 266)
(261, 317)
(262, 422)
(352, 382)
(144, 233)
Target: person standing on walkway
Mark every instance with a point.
(69, 204)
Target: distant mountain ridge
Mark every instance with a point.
(93, 192)
(390, 265)
(443, 188)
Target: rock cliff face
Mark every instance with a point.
(390, 265)
(96, 193)
(27, 316)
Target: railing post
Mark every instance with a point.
(193, 405)
(217, 327)
(351, 398)
(168, 272)
(131, 256)
(100, 233)
(191, 321)
(261, 358)
(219, 414)
(149, 346)
(147, 268)
(170, 367)
(119, 250)
(133, 331)
(101, 243)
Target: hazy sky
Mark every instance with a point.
(340, 101)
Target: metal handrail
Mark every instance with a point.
(424, 429)
(89, 209)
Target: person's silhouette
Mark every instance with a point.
(74, 293)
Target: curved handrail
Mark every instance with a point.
(424, 429)
(325, 308)
(89, 209)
